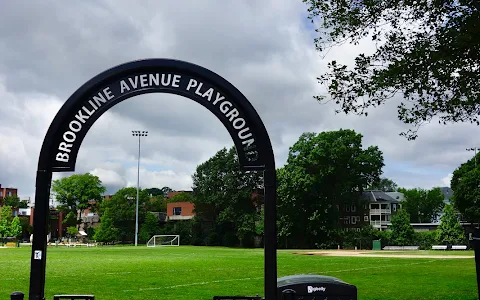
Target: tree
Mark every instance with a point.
(323, 171)
(181, 197)
(423, 206)
(159, 192)
(223, 198)
(106, 232)
(425, 51)
(5, 220)
(15, 227)
(385, 185)
(402, 232)
(158, 204)
(72, 231)
(12, 201)
(78, 192)
(122, 211)
(450, 230)
(465, 184)
(149, 227)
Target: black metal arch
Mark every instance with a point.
(72, 122)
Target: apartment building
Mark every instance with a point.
(373, 207)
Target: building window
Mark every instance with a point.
(346, 220)
(394, 207)
(354, 220)
(374, 206)
(177, 211)
(354, 208)
(365, 206)
(9, 193)
(348, 207)
(365, 218)
(1, 194)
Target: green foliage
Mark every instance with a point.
(70, 219)
(122, 207)
(157, 204)
(402, 231)
(385, 185)
(159, 192)
(425, 239)
(423, 206)
(149, 227)
(465, 184)
(181, 197)
(182, 228)
(322, 172)
(222, 194)
(12, 201)
(426, 52)
(72, 231)
(15, 229)
(78, 192)
(450, 230)
(5, 220)
(106, 232)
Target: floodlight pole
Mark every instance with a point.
(475, 157)
(139, 134)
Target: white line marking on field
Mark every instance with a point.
(191, 284)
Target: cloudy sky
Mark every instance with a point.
(48, 49)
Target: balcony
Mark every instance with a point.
(380, 211)
(178, 217)
(379, 223)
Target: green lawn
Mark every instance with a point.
(202, 272)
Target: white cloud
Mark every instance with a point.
(264, 48)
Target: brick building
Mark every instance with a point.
(5, 192)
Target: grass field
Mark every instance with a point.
(202, 272)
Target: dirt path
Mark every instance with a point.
(368, 254)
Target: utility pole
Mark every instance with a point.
(139, 134)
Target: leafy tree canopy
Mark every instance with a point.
(423, 206)
(427, 52)
(385, 185)
(159, 192)
(121, 208)
(322, 172)
(450, 230)
(465, 184)
(78, 192)
(182, 197)
(222, 194)
(12, 201)
(402, 231)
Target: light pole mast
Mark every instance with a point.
(139, 134)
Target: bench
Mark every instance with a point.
(459, 247)
(439, 247)
(400, 248)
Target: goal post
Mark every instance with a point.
(164, 240)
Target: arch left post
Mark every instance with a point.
(40, 228)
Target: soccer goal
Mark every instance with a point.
(164, 240)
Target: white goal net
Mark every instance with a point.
(164, 240)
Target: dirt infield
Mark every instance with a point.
(371, 254)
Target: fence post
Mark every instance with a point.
(17, 296)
